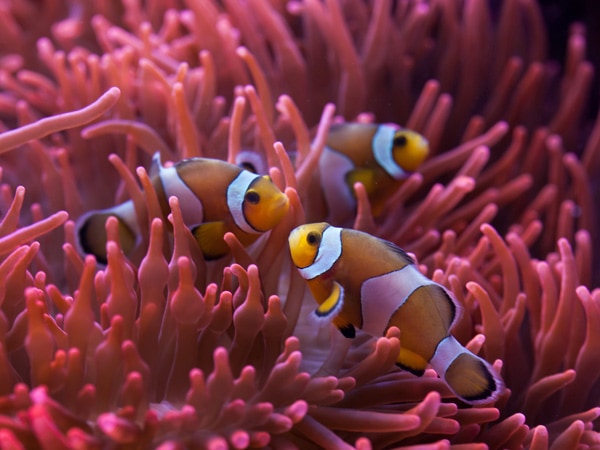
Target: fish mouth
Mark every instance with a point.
(424, 146)
(280, 208)
(283, 203)
(294, 237)
(293, 242)
(273, 214)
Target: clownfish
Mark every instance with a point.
(215, 198)
(362, 281)
(378, 156)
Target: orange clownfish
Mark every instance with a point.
(363, 281)
(378, 156)
(215, 197)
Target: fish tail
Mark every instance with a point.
(90, 230)
(469, 376)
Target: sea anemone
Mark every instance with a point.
(162, 349)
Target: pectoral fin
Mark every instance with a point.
(364, 176)
(409, 360)
(332, 305)
(209, 236)
(330, 309)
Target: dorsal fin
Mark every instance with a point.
(403, 254)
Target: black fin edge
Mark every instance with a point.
(417, 372)
(348, 331)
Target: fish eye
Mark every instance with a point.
(252, 197)
(400, 140)
(313, 238)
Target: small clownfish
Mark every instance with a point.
(363, 281)
(378, 156)
(215, 198)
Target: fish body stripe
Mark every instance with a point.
(333, 168)
(383, 142)
(383, 295)
(236, 193)
(329, 252)
(173, 185)
(445, 353)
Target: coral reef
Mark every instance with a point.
(164, 350)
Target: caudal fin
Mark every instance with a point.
(91, 231)
(470, 377)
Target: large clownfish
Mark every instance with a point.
(378, 156)
(215, 197)
(363, 281)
